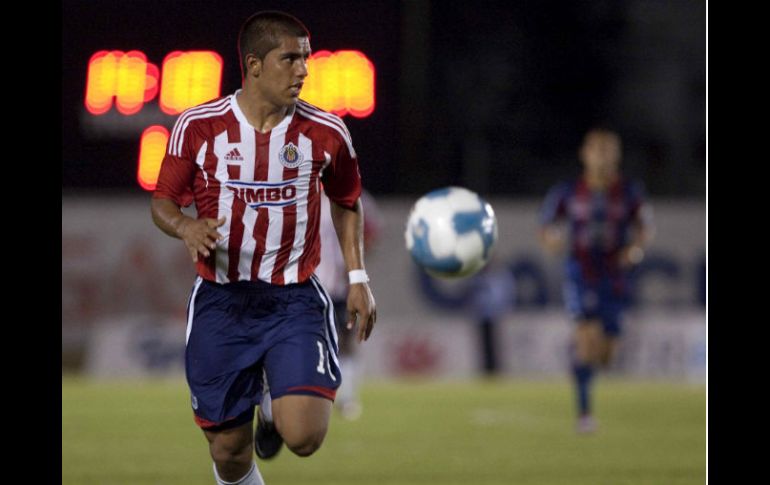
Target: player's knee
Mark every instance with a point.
(305, 444)
(226, 453)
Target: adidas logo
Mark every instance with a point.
(234, 155)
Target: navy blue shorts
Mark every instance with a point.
(600, 300)
(236, 332)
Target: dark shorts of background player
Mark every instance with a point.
(238, 332)
(603, 300)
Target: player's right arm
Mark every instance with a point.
(199, 235)
(174, 190)
(550, 234)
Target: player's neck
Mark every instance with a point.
(599, 181)
(263, 115)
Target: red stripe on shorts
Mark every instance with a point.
(321, 391)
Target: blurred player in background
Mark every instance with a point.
(608, 227)
(493, 293)
(333, 275)
(260, 325)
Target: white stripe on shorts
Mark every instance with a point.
(330, 334)
(191, 308)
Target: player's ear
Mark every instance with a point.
(254, 65)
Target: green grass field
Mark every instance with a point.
(411, 432)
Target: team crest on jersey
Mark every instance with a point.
(290, 155)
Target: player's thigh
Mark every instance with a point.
(582, 302)
(303, 364)
(588, 334)
(612, 310)
(302, 418)
(222, 367)
(610, 349)
(303, 375)
(302, 369)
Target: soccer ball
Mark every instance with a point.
(451, 232)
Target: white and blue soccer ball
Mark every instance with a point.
(451, 232)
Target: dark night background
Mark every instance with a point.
(491, 95)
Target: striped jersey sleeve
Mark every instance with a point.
(178, 168)
(341, 178)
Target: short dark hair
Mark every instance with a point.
(602, 128)
(262, 31)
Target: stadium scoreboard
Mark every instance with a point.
(127, 94)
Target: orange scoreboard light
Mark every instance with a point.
(125, 78)
(341, 82)
(189, 79)
(152, 147)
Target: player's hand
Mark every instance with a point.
(630, 255)
(361, 306)
(200, 235)
(553, 239)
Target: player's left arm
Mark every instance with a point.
(342, 184)
(642, 229)
(349, 223)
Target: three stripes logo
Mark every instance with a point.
(234, 154)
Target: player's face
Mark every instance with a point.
(284, 70)
(600, 153)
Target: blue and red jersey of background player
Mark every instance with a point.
(599, 223)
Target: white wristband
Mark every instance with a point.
(358, 276)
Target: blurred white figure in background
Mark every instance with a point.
(334, 277)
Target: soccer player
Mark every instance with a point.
(260, 325)
(608, 226)
(332, 273)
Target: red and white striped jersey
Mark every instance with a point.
(266, 186)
